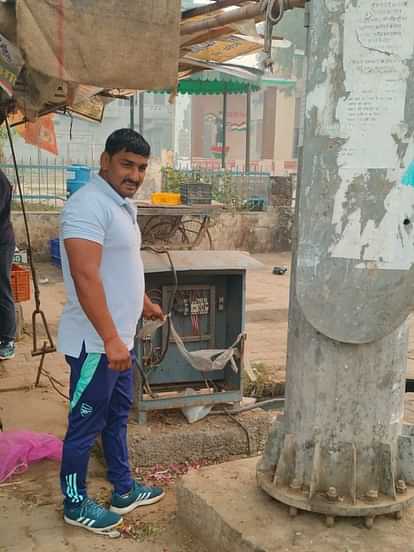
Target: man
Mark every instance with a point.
(7, 247)
(104, 280)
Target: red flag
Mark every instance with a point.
(40, 133)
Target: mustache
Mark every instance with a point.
(129, 181)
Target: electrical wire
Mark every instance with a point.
(166, 341)
(174, 272)
(260, 404)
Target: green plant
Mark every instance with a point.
(172, 179)
(223, 187)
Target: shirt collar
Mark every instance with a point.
(107, 189)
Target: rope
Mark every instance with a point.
(37, 311)
(45, 349)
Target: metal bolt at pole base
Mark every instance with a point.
(341, 448)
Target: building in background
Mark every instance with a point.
(82, 141)
(192, 127)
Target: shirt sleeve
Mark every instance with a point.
(84, 219)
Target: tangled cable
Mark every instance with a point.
(268, 9)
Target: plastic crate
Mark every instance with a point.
(20, 283)
(80, 175)
(54, 248)
(254, 203)
(165, 198)
(196, 193)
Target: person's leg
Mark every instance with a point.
(91, 386)
(114, 435)
(7, 308)
(128, 494)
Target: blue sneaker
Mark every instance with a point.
(93, 517)
(139, 495)
(7, 350)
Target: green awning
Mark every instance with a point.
(207, 83)
(213, 82)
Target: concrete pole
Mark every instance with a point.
(341, 448)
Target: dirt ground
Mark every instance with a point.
(30, 505)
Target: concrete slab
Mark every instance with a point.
(225, 509)
(169, 438)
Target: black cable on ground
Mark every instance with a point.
(243, 427)
(260, 404)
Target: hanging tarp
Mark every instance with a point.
(11, 62)
(129, 44)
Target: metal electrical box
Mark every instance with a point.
(208, 312)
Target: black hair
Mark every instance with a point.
(128, 140)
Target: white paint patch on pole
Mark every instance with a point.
(378, 41)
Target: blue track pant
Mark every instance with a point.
(100, 400)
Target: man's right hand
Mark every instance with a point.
(117, 353)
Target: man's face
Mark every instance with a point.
(124, 171)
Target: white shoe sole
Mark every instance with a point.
(111, 531)
(131, 507)
(8, 357)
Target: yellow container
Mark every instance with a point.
(165, 198)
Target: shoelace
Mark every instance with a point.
(91, 508)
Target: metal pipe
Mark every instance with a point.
(223, 151)
(202, 10)
(248, 129)
(232, 16)
(141, 97)
(132, 111)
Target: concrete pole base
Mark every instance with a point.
(297, 499)
(393, 491)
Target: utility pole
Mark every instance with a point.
(341, 448)
(248, 129)
(141, 97)
(132, 112)
(224, 123)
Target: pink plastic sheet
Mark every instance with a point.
(18, 449)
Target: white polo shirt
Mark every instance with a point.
(96, 212)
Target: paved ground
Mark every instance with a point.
(30, 510)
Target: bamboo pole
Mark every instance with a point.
(250, 11)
